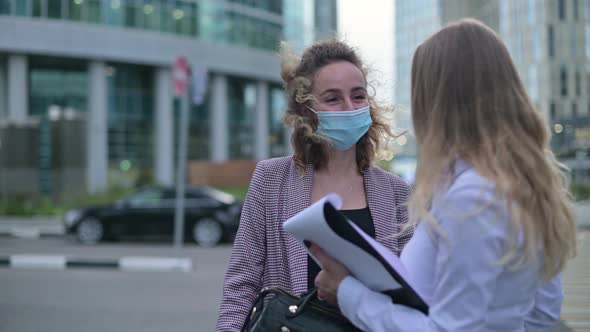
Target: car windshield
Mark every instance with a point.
(145, 197)
(218, 195)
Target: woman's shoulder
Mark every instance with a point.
(469, 191)
(467, 181)
(275, 171)
(380, 175)
(275, 165)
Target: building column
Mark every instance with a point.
(97, 131)
(164, 127)
(18, 89)
(219, 144)
(261, 119)
(3, 92)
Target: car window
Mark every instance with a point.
(149, 197)
(194, 195)
(189, 194)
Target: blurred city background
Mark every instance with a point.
(89, 135)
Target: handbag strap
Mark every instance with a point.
(260, 300)
(303, 302)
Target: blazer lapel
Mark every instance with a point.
(381, 206)
(299, 190)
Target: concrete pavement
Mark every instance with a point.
(576, 286)
(21, 237)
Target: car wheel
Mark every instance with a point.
(207, 232)
(90, 231)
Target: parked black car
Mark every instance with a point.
(211, 216)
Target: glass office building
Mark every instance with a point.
(109, 62)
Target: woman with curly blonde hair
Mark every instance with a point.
(338, 129)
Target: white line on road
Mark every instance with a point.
(38, 261)
(155, 264)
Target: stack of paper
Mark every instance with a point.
(367, 260)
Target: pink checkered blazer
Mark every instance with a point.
(264, 255)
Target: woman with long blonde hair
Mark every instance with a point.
(494, 226)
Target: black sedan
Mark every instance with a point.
(211, 216)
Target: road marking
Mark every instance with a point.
(155, 264)
(38, 261)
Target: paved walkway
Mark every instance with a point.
(576, 278)
(576, 284)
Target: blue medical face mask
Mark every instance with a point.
(344, 128)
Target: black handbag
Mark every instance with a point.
(286, 312)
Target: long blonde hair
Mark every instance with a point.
(468, 103)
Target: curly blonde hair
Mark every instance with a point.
(311, 147)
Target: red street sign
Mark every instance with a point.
(180, 76)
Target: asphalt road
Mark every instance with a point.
(112, 300)
(96, 300)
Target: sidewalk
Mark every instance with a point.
(582, 214)
(57, 252)
(30, 227)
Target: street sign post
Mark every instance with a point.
(182, 87)
(180, 76)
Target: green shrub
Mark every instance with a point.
(581, 191)
(30, 205)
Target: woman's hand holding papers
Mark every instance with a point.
(329, 279)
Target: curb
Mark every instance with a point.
(131, 263)
(30, 232)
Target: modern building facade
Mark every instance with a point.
(415, 21)
(549, 41)
(107, 64)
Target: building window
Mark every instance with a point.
(5, 7)
(504, 13)
(550, 39)
(563, 80)
(532, 82)
(561, 9)
(200, 129)
(132, 15)
(93, 11)
(575, 7)
(75, 10)
(574, 110)
(54, 8)
(38, 8)
(536, 41)
(63, 88)
(277, 139)
(242, 107)
(578, 84)
(130, 118)
(22, 8)
(573, 41)
(531, 11)
(552, 112)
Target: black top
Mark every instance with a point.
(362, 218)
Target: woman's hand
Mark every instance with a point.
(330, 277)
